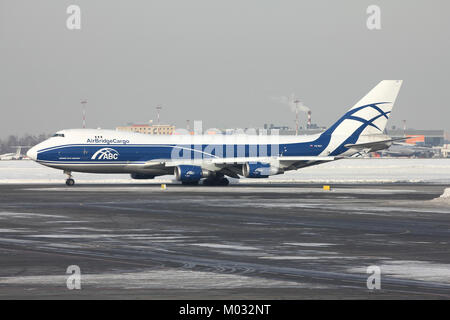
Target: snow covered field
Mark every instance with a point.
(346, 171)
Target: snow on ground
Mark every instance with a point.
(346, 171)
(164, 279)
(373, 170)
(446, 194)
(444, 198)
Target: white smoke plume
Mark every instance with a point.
(293, 102)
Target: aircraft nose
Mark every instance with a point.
(32, 153)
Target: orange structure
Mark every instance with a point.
(413, 139)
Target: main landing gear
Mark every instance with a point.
(69, 181)
(216, 181)
(189, 183)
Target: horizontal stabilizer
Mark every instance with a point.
(374, 146)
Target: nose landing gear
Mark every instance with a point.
(69, 181)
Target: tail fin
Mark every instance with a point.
(371, 112)
(367, 117)
(18, 151)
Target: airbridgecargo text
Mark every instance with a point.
(108, 141)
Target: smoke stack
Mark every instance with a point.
(309, 120)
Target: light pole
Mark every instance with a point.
(296, 116)
(83, 103)
(158, 109)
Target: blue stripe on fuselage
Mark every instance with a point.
(142, 153)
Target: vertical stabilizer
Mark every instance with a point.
(367, 117)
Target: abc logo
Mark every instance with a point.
(105, 154)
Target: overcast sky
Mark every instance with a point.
(217, 61)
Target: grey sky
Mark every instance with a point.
(217, 61)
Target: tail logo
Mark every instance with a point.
(368, 122)
(105, 154)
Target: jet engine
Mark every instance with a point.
(259, 170)
(188, 173)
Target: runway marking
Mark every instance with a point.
(223, 246)
(307, 257)
(309, 244)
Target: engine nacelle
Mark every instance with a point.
(188, 173)
(259, 170)
(141, 176)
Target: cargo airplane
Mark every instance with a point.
(13, 156)
(213, 158)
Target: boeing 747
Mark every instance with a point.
(213, 158)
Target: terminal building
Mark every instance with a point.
(149, 129)
(288, 131)
(431, 138)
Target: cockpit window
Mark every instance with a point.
(58, 135)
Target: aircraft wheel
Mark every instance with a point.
(70, 182)
(224, 182)
(208, 182)
(216, 182)
(189, 183)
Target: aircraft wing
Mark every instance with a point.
(235, 160)
(241, 160)
(233, 166)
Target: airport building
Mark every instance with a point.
(285, 130)
(149, 129)
(432, 138)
